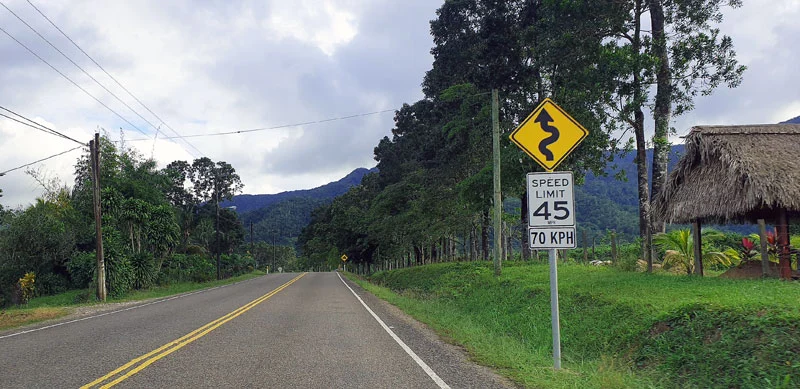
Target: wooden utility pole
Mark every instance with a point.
(498, 200)
(216, 194)
(94, 148)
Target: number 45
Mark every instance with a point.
(558, 206)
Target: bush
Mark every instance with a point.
(144, 270)
(182, 268)
(234, 264)
(26, 286)
(82, 268)
(50, 284)
(119, 271)
(195, 250)
(119, 275)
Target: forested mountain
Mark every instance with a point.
(794, 121)
(280, 217)
(249, 202)
(605, 202)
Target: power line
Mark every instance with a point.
(73, 82)
(275, 127)
(112, 77)
(77, 66)
(36, 125)
(41, 160)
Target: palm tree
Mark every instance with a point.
(679, 250)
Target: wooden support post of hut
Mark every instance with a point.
(784, 261)
(736, 174)
(762, 237)
(697, 242)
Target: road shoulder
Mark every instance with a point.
(451, 362)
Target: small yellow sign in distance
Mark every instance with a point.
(344, 257)
(548, 135)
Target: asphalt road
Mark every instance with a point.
(278, 331)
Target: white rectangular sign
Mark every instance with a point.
(551, 199)
(552, 238)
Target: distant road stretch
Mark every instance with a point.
(308, 330)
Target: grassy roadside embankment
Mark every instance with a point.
(619, 329)
(53, 307)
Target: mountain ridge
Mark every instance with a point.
(248, 202)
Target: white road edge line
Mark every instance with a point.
(118, 311)
(399, 341)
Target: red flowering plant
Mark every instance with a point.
(748, 250)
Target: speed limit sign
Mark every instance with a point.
(551, 200)
(551, 210)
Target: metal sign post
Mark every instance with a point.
(551, 225)
(549, 135)
(554, 315)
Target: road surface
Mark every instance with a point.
(301, 330)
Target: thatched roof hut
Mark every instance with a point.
(733, 174)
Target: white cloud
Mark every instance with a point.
(221, 66)
(210, 67)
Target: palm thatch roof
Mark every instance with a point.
(733, 174)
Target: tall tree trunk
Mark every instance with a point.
(485, 235)
(641, 150)
(663, 107)
(526, 249)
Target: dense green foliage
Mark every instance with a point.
(155, 229)
(686, 332)
(431, 197)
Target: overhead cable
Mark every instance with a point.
(78, 66)
(41, 160)
(276, 127)
(73, 82)
(112, 77)
(36, 125)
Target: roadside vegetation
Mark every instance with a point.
(619, 329)
(54, 306)
(158, 227)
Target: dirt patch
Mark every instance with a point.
(659, 328)
(25, 319)
(750, 270)
(16, 318)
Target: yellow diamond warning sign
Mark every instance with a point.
(548, 134)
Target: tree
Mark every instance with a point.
(691, 58)
(214, 182)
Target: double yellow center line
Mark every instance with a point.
(137, 364)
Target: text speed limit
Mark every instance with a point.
(551, 200)
(552, 238)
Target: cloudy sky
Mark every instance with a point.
(218, 66)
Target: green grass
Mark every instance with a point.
(619, 329)
(51, 307)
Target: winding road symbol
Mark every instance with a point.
(548, 135)
(544, 120)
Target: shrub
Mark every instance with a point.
(26, 286)
(50, 284)
(119, 275)
(82, 268)
(119, 272)
(144, 270)
(182, 267)
(195, 250)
